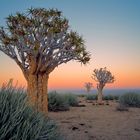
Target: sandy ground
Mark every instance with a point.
(98, 122)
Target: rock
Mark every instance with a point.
(81, 124)
(86, 131)
(137, 129)
(74, 128)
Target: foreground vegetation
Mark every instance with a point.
(20, 122)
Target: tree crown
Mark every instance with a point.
(40, 40)
(88, 86)
(103, 76)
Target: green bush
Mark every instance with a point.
(111, 97)
(71, 99)
(130, 99)
(57, 102)
(108, 97)
(116, 97)
(91, 97)
(20, 122)
(81, 95)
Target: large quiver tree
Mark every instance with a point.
(39, 41)
(102, 76)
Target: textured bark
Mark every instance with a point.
(100, 94)
(38, 92)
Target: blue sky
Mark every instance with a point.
(111, 29)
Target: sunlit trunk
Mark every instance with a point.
(100, 94)
(38, 92)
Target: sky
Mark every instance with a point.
(111, 30)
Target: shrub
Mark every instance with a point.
(71, 99)
(111, 97)
(81, 95)
(91, 97)
(116, 97)
(130, 99)
(20, 122)
(57, 102)
(108, 97)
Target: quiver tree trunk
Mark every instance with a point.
(100, 94)
(38, 92)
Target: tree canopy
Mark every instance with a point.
(88, 86)
(40, 40)
(103, 76)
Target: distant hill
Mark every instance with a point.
(105, 91)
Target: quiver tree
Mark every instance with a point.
(88, 86)
(38, 41)
(102, 76)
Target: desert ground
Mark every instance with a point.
(98, 122)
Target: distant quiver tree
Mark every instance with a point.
(39, 41)
(88, 86)
(102, 76)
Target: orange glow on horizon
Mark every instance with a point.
(73, 75)
(62, 78)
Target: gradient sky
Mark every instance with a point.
(111, 29)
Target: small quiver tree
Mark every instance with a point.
(102, 76)
(38, 41)
(88, 86)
